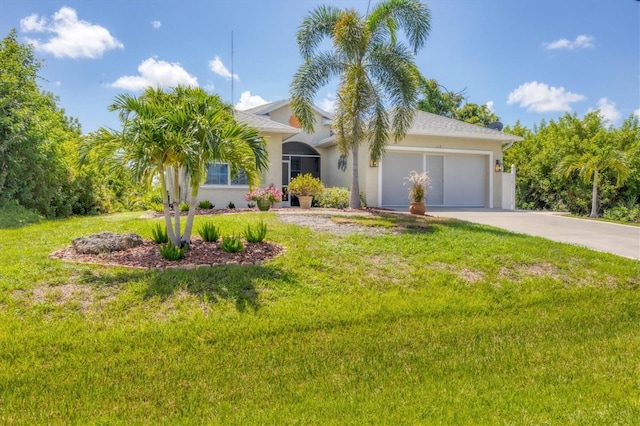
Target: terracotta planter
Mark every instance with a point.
(263, 205)
(418, 208)
(305, 201)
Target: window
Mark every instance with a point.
(220, 174)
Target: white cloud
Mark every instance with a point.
(637, 112)
(539, 97)
(581, 42)
(247, 100)
(156, 24)
(33, 23)
(218, 67)
(70, 37)
(490, 106)
(328, 103)
(608, 110)
(158, 74)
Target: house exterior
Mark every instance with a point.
(460, 157)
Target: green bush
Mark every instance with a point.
(159, 234)
(171, 252)
(209, 232)
(206, 204)
(623, 213)
(231, 205)
(334, 198)
(184, 207)
(232, 244)
(258, 235)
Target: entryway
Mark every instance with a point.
(297, 158)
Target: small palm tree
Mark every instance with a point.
(590, 165)
(215, 136)
(164, 132)
(374, 69)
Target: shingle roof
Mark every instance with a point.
(267, 108)
(426, 123)
(272, 106)
(265, 124)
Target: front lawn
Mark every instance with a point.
(437, 322)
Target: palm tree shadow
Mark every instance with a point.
(233, 282)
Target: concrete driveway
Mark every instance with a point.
(623, 240)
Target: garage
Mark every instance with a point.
(458, 179)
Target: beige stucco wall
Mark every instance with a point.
(321, 130)
(221, 195)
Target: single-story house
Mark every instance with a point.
(461, 159)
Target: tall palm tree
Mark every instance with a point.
(374, 69)
(165, 132)
(591, 164)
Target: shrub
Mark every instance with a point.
(231, 205)
(159, 234)
(232, 244)
(251, 205)
(184, 207)
(258, 235)
(209, 232)
(206, 204)
(305, 185)
(334, 198)
(623, 213)
(171, 252)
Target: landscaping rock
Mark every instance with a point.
(106, 242)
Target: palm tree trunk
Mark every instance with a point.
(165, 206)
(594, 196)
(354, 200)
(177, 240)
(192, 212)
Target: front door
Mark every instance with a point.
(286, 178)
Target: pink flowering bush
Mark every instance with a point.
(270, 194)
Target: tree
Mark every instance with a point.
(209, 126)
(374, 69)
(438, 100)
(475, 114)
(165, 132)
(601, 156)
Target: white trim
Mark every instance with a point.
(440, 150)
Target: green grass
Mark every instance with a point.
(451, 323)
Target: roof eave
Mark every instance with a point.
(502, 138)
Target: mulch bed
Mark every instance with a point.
(201, 254)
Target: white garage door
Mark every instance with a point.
(465, 180)
(456, 180)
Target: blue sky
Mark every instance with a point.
(528, 60)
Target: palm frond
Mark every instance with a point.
(412, 16)
(319, 24)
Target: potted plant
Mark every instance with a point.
(305, 187)
(264, 197)
(418, 185)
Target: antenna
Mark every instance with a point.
(231, 68)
